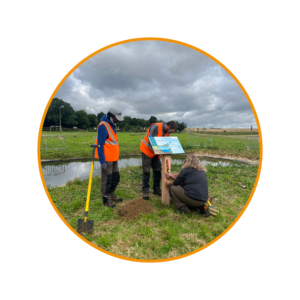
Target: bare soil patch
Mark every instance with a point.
(222, 130)
(134, 209)
(228, 157)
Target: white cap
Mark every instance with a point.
(117, 113)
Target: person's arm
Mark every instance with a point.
(171, 176)
(153, 132)
(169, 183)
(179, 180)
(102, 136)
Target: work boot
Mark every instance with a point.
(183, 209)
(191, 208)
(200, 210)
(157, 191)
(146, 194)
(114, 198)
(206, 211)
(108, 202)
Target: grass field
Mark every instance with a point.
(164, 233)
(77, 145)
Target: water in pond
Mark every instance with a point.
(58, 173)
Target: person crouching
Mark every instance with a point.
(190, 187)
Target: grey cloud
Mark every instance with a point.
(159, 78)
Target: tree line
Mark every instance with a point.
(81, 119)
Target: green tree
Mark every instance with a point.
(54, 110)
(66, 113)
(100, 115)
(52, 116)
(147, 123)
(93, 120)
(144, 123)
(121, 125)
(133, 122)
(72, 121)
(82, 119)
(127, 119)
(181, 126)
(127, 127)
(152, 120)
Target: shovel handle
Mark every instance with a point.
(90, 185)
(89, 188)
(94, 147)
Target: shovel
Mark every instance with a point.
(84, 225)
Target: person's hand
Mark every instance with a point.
(104, 166)
(167, 183)
(167, 176)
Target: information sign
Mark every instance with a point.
(166, 145)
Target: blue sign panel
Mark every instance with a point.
(166, 145)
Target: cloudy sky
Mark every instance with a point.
(162, 79)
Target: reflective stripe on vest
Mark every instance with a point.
(145, 144)
(111, 145)
(148, 145)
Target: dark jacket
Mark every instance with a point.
(195, 183)
(102, 136)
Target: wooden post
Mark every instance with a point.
(165, 196)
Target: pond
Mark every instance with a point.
(58, 173)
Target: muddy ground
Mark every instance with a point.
(208, 130)
(228, 157)
(134, 209)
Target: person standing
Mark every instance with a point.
(150, 160)
(108, 154)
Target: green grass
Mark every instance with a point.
(77, 145)
(163, 233)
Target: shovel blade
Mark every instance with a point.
(85, 227)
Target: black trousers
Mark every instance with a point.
(148, 164)
(110, 178)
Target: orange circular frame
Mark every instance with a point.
(258, 127)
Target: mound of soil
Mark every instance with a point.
(134, 209)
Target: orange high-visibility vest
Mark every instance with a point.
(145, 144)
(111, 145)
